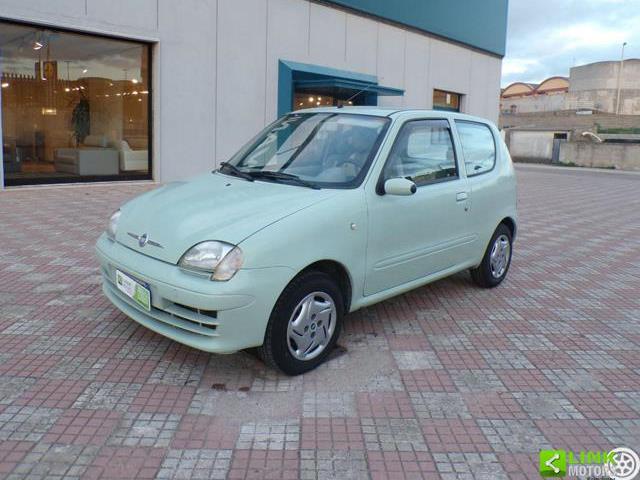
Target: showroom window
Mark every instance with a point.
(75, 107)
(449, 101)
(478, 147)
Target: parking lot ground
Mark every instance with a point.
(448, 381)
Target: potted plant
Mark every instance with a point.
(81, 120)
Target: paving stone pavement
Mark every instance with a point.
(448, 381)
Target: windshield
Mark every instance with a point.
(331, 150)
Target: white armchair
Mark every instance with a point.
(93, 157)
(131, 160)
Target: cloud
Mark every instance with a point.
(587, 35)
(548, 37)
(513, 66)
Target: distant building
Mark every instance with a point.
(573, 119)
(549, 95)
(591, 87)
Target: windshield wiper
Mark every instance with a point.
(226, 167)
(271, 175)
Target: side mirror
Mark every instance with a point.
(400, 186)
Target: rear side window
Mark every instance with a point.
(423, 151)
(478, 146)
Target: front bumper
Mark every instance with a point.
(220, 317)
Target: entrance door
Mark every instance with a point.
(558, 138)
(415, 236)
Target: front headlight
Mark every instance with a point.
(113, 225)
(220, 259)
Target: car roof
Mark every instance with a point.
(395, 112)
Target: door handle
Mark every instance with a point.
(461, 196)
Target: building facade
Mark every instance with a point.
(158, 89)
(547, 96)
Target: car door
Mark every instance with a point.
(419, 235)
(479, 156)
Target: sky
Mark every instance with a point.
(548, 37)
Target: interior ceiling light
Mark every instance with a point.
(5, 84)
(85, 70)
(37, 45)
(134, 80)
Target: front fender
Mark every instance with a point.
(335, 229)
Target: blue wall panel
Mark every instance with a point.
(478, 23)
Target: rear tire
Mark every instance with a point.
(496, 261)
(304, 325)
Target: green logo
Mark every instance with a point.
(553, 463)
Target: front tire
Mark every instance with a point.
(304, 325)
(496, 261)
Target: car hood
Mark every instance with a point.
(211, 207)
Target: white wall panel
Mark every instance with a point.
(390, 63)
(55, 10)
(417, 94)
(362, 44)
(475, 100)
(492, 88)
(132, 13)
(241, 73)
(184, 86)
(391, 56)
(327, 36)
(449, 67)
(287, 39)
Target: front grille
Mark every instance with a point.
(182, 317)
(208, 313)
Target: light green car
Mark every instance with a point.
(324, 212)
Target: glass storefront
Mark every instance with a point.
(75, 107)
(327, 96)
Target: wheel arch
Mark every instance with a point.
(339, 273)
(511, 225)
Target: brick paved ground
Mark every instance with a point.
(449, 381)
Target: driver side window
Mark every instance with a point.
(423, 152)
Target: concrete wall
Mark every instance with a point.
(603, 155)
(215, 75)
(604, 75)
(532, 146)
(534, 103)
(569, 120)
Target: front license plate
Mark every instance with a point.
(134, 290)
